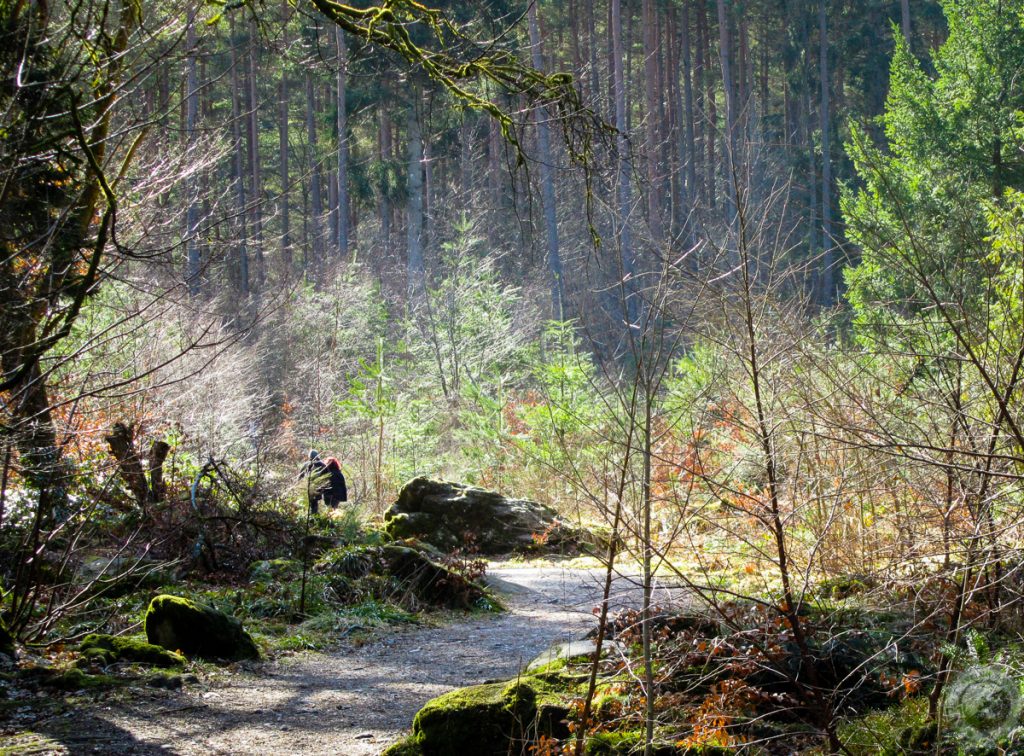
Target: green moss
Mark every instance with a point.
(627, 742)
(890, 730)
(519, 699)
(75, 679)
(195, 630)
(491, 718)
(409, 746)
(614, 743)
(109, 650)
(399, 526)
(275, 569)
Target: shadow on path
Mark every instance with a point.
(355, 701)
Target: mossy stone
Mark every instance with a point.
(6, 640)
(110, 649)
(486, 719)
(433, 582)
(196, 630)
(453, 515)
(409, 746)
(72, 679)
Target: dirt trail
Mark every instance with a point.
(353, 701)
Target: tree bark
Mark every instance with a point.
(827, 295)
(256, 187)
(158, 452)
(121, 440)
(710, 109)
(905, 20)
(193, 268)
(595, 77)
(652, 106)
(343, 202)
(547, 181)
(415, 274)
(316, 257)
(385, 150)
(628, 265)
(688, 153)
(238, 169)
(730, 142)
(283, 154)
(806, 138)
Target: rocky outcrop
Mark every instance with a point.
(195, 630)
(453, 515)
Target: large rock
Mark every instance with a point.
(196, 630)
(454, 515)
(494, 719)
(577, 649)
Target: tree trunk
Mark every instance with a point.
(122, 446)
(193, 269)
(827, 296)
(385, 150)
(905, 20)
(652, 98)
(343, 203)
(711, 110)
(256, 187)
(415, 274)
(238, 170)
(730, 142)
(595, 78)
(283, 150)
(688, 154)
(806, 139)
(547, 182)
(158, 452)
(316, 258)
(628, 266)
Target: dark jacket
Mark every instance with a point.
(334, 490)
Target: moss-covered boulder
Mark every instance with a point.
(401, 569)
(66, 679)
(453, 515)
(496, 718)
(433, 582)
(109, 649)
(199, 631)
(6, 640)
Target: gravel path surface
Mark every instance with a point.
(354, 701)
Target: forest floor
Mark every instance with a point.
(353, 700)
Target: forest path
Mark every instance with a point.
(356, 701)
